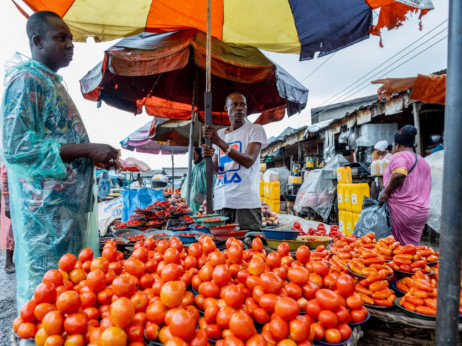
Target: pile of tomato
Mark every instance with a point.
(212, 219)
(245, 297)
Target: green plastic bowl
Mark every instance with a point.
(210, 224)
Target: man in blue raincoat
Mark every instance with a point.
(50, 161)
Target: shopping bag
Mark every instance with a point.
(375, 218)
(139, 198)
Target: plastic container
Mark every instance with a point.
(271, 176)
(347, 197)
(383, 164)
(294, 180)
(341, 196)
(375, 168)
(348, 223)
(344, 175)
(274, 190)
(355, 219)
(274, 205)
(262, 188)
(358, 191)
(341, 221)
(266, 189)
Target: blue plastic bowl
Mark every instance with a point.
(199, 229)
(189, 239)
(280, 234)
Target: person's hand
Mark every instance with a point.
(383, 197)
(103, 154)
(207, 151)
(211, 133)
(393, 85)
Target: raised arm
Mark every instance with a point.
(246, 159)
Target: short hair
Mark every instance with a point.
(235, 93)
(38, 23)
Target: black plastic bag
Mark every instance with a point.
(375, 218)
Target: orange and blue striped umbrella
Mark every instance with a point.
(286, 26)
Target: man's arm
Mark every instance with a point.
(246, 159)
(101, 153)
(396, 180)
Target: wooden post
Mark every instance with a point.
(415, 111)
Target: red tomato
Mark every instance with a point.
(345, 285)
(270, 282)
(327, 319)
(345, 331)
(332, 336)
(355, 302)
(328, 299)
(242, 325)
(283, 249)
(287, 308)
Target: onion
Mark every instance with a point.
(269, 223)
(263, 224)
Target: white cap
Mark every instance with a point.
(382, 145)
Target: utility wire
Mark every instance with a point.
(372, 77)
(386, 73)
(378, 66)
(317, 68)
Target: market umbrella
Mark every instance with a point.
(288, 26)
(164, 73)
(139, 141)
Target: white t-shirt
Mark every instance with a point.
(238, 187)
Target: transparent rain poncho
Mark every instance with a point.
(52, 202)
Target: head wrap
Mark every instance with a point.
(199, 152)
(382, 145)
(406, 136)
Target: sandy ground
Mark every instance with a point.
(7, 302)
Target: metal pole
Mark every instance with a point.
(208, 107)
(173, 168)
(191, 139)
(299, 151)
(415, 111)
(447, 317)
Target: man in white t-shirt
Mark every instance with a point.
(236, 159)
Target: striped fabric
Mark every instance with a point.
(287, 26)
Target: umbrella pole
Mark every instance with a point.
(447, 317)
(191, 138)
(173, 169)
(208, 108)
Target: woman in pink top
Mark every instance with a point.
(407, 188)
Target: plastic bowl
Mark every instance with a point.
(197, 217)
(210, 224)
(318, 240)
(293, 244)
(280, 234)
(224, 229)
(191, 239)
(226, 236)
